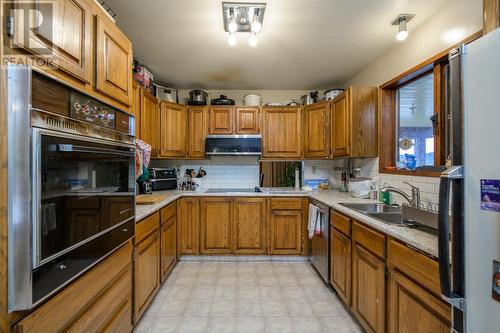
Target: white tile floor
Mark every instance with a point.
(246, 297)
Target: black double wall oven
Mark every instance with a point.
(71, 184)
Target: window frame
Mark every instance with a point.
(388, 112)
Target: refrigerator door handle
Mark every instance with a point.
(451, 175)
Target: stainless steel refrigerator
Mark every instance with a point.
(469, 215)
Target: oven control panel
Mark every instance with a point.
(91, 111)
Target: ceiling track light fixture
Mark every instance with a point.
(401, 21)
(243, 18)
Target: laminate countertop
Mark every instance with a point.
(420, 240)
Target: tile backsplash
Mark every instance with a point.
(222, 171)
(429, 186)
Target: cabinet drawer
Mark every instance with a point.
(286, 204)
(99, 316)
(368, 238)
(168, 211)
(146, 227)
(416, 265)
(341, 223)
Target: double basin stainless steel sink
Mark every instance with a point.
(388, 214)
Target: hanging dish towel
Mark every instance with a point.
(314, 222)
(145, 150)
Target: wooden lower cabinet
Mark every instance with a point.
(215, 225)
(340, 264)
(168, 241)
(285, 232)
(146, 267)
(249, 229)
(98, 301)
(414, 310)
(188, 225)
(368, 289)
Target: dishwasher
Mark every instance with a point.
(320, 244)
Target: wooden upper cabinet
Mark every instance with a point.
(281, 132)
(354, 130)
(149, 120)
(136, 108)
(317, 130)
(197, 131)
(221, 120)
(66, 35)
(188, 225)
(173, 130)
(247, 120)
(340, 125)
(249, 230)
(215, 225)
(113, 61)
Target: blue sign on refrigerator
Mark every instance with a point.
(490, 194)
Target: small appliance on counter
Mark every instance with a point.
(163, 179)
(198, 97)
(145, 187)
(222, 100)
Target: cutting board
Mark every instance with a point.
(150, 199)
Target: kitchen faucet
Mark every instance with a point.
(414, 200)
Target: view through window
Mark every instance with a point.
(415, 106)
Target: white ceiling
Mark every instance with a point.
(304, 44)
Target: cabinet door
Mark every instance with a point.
(215, 225)
(247, 120)
(197, 131)
(168, 246)
(317, 130)
(368, 289)
(136, 108)
(221, 120)
(340, 266)
(341, 127)
(61, 33)
(285, 232)
(281, 133)
(188, 222)
(249, 230)
(149, 121)
(414, 310)
(146, 272)
(173, 130)
(113, 61)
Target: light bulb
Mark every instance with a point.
(231, 40)
(256, 27)
(403, 31)
(402, 35)
(232, 26)
(252, 41)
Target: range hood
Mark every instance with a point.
(245, 145)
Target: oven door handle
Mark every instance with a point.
(70, 148)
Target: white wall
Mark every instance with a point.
(456, 20)
(278, 96)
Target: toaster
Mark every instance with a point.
(163, 179)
